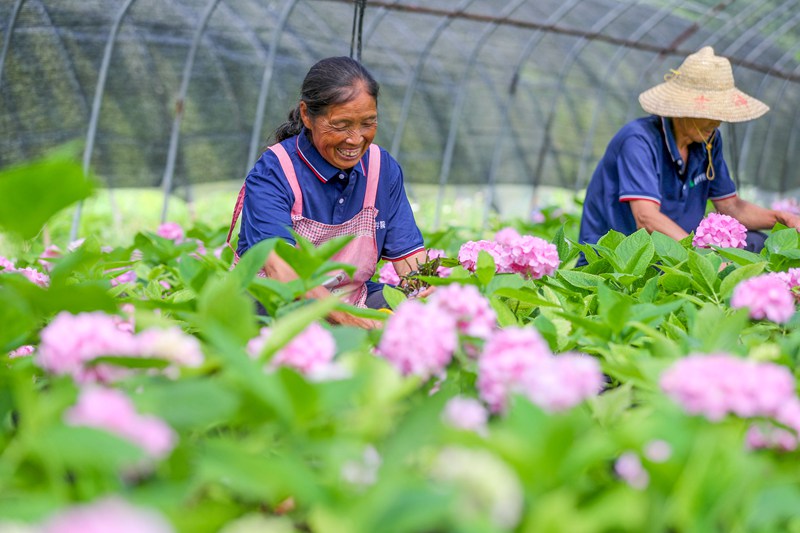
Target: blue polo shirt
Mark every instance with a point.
(330, 196)
(642, 162)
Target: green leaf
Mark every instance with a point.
(30, 194)
(505, 316)
(188, 403)
(252, 261)
(579, 279)
(740, 274)
(668, 249)
(635, 253)
(223, 302)
(394, 297)
(714, 331)
(782, 240)
(703, 273)
(485, 268)
(739, 256)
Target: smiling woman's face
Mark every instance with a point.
(343, 134)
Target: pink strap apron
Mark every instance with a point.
(361, 251)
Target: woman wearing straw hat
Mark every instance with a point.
(658, 172)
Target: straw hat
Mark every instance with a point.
(702, 87)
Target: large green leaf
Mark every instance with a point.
(668, 249)
(704, 275)
(635, 253)
(30, 194)
(188, 404)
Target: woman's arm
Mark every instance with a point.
(648, 215)
(753, 216)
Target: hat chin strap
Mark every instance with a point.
(710, 174)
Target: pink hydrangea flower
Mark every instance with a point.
(105, 515)
(561, 382)
(388, 274)
(34, 276)
(129, 276)
(789, 205)
(629, 468)
(766, 296)
(51, 252)
(468, 253)
(22, 351)
(171, 230)
(111, 410)
(507, 236)
(311, 352)
(513, 253)
(466, 413)
(518, 360)
(419, 339)
(508, 357)
(718, 384)
(70, 341)
(6, 264)
(768, 435)
(473, 314)
(533, 257)
(792, 280)
(720, 230)
(170, 344)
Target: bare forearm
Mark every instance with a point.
(755, 217)
(649, 217)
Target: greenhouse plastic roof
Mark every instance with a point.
(169, 93)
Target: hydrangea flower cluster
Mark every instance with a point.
(111, 410)
(529, 256)
(172, 231)
(720, 230)
(419, 339)
(33, 275)
(519, 361)
(629, 468)
(792, 280)
(473, 313)
(387, 274)
(789, 205)
(108, 514)
(70, 342)
(466, 413)
(719, 384)
(311, 352)
(767, 296)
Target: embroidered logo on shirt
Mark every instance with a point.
(697, 180)
(381, 224)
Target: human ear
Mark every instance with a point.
(304, 115)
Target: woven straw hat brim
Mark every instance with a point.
(669, 99)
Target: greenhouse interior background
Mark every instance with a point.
(506, 103)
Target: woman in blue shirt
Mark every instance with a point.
(659, 172)
(324, 178)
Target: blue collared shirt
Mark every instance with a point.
(642, 162)
(330, 196)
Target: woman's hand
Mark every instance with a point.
(346, 319)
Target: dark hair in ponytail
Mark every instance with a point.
(331, 81)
